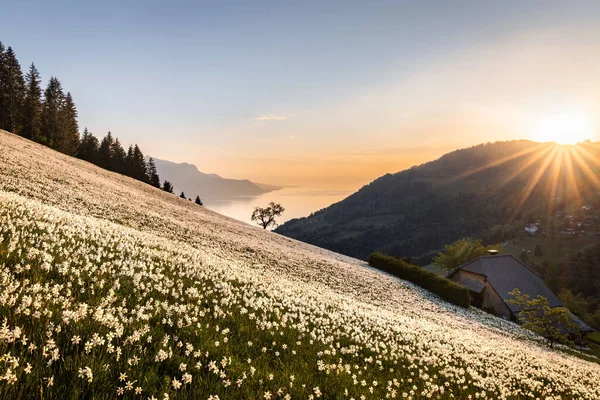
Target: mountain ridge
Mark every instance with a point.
(188, 178)
(467, 192)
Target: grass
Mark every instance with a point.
(552, 249)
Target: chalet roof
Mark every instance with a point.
(473, 285)
(505, 273)
(582, 325)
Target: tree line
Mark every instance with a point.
(49, 117)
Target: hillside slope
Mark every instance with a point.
(489, 191)
(210, 187)
(110, 287)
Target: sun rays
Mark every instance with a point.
(562, 174)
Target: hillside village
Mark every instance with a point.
(584, 220)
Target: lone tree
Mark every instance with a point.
(460, 252)
(554, 323)
(198, 201)
(265, 217)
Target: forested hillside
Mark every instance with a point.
(489, 191)
(50, 117)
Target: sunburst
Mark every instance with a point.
(564, 167)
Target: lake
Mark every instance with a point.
(297, 201)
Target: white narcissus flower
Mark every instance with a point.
(119, 264)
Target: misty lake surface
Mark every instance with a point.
(298, 202)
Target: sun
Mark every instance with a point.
(563, 128)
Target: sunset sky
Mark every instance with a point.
(308, 93)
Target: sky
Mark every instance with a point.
(317, 93)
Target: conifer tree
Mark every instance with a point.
(105, 152)
(88, 149)
(4, 98)
(182, 195)
(15, 91)
(118, 157)
(139, 165)
(153, 177)
(129, 162)
(32, 105)
(51, 124)
(198, 201)
(167, 186)
(68, 138)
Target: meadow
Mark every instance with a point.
(110, 288)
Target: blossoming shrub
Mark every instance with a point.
(445, 288)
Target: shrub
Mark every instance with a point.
(443, 287)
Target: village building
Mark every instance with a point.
(531, 228)
(491, 278)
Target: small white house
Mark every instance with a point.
(531, 228)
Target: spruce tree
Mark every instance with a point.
(4, 96)
(182, 195)
(167, 186)
(68, 138)
(32, 105)
(153, 177)
(129, 162)
(53, 102)
(198, 201)
(118, 157)
(139, 165)
(88, 149)
(15, 87)
(105, 152)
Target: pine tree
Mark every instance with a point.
(68, 138)
(15, 87)
(104, 159)
(51, 124)
(88, 149)
(167, 186)
(198, 201)
(153, 177)
(139, 165)
(32, 105)
(118, 158)
(4, 96)
(182, 195)
(129, 162)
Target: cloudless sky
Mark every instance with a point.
(333, 93)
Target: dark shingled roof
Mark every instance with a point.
(505, 273)
(473, 285)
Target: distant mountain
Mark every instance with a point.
(210, 187)
(487, 191)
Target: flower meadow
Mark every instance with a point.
(112, 289)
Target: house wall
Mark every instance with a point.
(491, 299)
